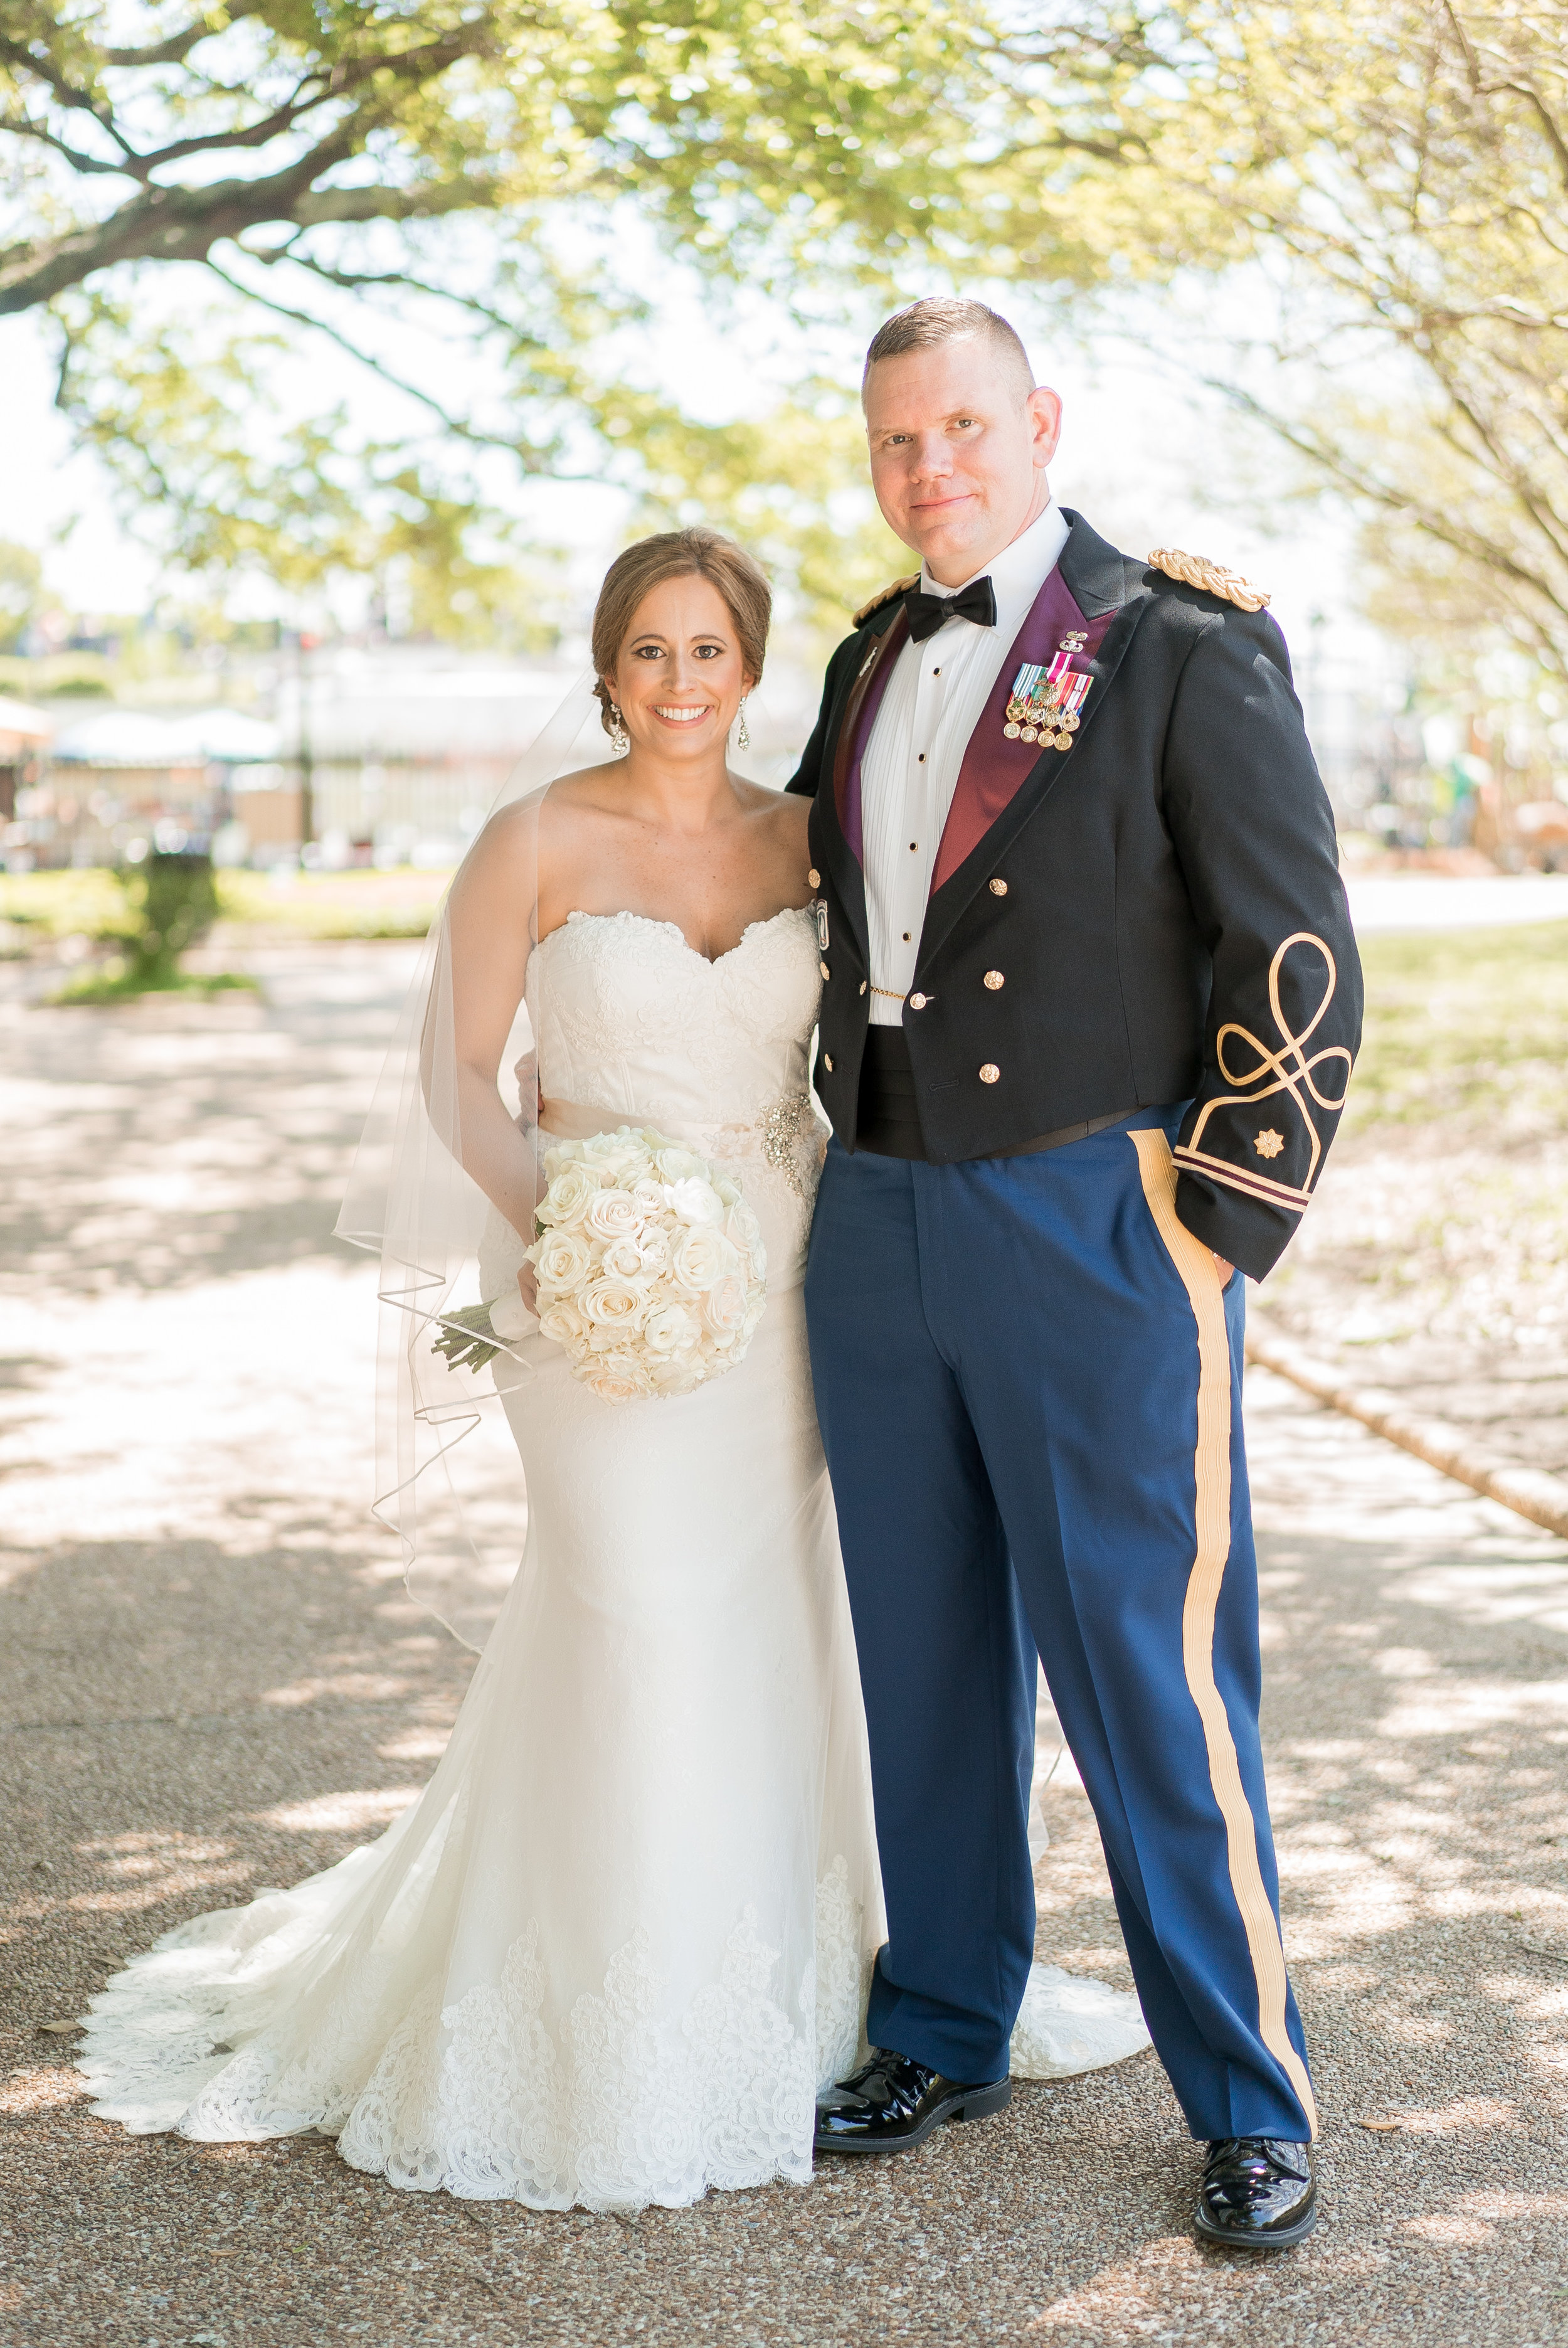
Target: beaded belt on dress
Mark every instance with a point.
(775, 1134)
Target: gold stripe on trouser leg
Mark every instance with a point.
(1212, 1468)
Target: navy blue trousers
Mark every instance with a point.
(1029, 1382)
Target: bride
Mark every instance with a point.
(613, 1951)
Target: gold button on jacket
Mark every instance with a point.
(999, 888)
(824, 970)
(994, 979)
(814, 878)
(990, 1073)
(827, 1062)
(917, 1002)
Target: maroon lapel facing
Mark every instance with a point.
(855, 728)
(995, 768)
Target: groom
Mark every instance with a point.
(1090, 1001)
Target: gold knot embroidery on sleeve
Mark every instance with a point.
(1288, 1076)
(1197, 570)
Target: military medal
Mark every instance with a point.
(1044, 703)
(820, 909)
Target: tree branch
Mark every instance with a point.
(185, 223)
(178, 45)
(21, 126)
(1437, 522)
(354, 281)
(444, 417)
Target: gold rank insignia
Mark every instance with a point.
(1197, 570)
(886, 595)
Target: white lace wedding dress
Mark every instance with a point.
(609, 1954)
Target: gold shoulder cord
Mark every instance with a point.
(886, 595)
(1213, 578)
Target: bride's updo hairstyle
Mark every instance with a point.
(679, 554)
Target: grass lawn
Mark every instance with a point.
(1434, 1257)
(358, 904)
(1465, 1028)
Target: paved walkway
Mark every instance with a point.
(211, 1682)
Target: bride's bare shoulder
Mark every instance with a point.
(783, 812)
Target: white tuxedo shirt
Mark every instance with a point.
(932, 705)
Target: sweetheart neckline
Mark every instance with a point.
(652, 921)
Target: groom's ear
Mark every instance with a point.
(1045, 408)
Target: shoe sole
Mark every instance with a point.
(1286, 2240)
(977, 2105)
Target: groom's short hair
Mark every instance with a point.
(947, 318)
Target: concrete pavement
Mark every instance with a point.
(211, 1682)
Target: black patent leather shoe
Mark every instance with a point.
(1257, 2194)
(893, 2103)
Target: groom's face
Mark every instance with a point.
(960, 446)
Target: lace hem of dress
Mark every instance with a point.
(479, 2099)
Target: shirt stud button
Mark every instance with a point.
(994, 979)
(814, 878)
(999, 888)
(827, 1062)
(990, 1073)
(917, 1002)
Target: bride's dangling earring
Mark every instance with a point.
(742, 739)
(618, 736)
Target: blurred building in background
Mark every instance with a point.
(389, 754)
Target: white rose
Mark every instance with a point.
(510, 1317)
(670, 1329)
(618, 1377)
(694, 1201)
(676, 1375)
(728, 1191)
(560, 1153)
(561, 1258)
(563, 1324)
(649, 1193)
(698, 1257)
(623, 1259)
(724, 1305)
(616, 1154)
(653, 1248)
(672, 1164)
(741, 1225)
(566, 1202)
(612, 1215)
(614, 1304)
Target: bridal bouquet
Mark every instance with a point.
(650, 1266)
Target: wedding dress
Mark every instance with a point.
(611, 1952)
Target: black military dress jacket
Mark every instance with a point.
(1152, 915)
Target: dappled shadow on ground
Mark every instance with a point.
(166, 1140)
(211, 1681)
(192, 1721)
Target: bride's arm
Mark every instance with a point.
(489, 926)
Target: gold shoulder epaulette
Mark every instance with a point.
(899, 587)
(1197, 570)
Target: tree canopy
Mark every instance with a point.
(468, 195)
(1399, 169)
(486, 172)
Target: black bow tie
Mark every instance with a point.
(927, 612)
